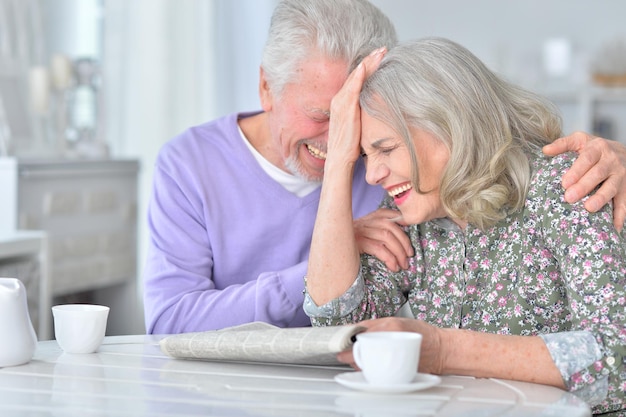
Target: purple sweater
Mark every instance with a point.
(228, 245)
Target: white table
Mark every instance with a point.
(129, 376)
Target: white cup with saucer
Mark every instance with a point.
(388, 358)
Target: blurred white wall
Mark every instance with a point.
(509, 36)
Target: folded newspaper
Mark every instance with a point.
(262, 342)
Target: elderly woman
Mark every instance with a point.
(507, 280)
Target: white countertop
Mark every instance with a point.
(129, 376)
(20, 242)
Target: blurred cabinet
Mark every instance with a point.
(594, 109)
(23, 255)
(88, 208)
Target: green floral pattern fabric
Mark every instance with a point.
(550, 269)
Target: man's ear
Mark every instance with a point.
(265, 94)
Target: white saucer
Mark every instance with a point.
(355, 380)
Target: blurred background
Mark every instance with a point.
(91, 89)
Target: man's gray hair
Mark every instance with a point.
(337, 29)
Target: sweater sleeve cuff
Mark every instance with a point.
(291, 279)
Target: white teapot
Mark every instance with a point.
(17, 335)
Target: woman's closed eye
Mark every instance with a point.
(386, 150)
(382, 150)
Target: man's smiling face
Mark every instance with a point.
(299, 116)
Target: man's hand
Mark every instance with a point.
(379, 234)
(600, 161)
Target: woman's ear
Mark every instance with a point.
(265, 94)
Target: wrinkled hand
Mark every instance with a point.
(431, 359)
(600, 161)
(344, 131)
(379, 234)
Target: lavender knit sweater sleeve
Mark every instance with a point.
(228, 245)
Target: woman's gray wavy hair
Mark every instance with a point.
(338, 29)
(488, 125)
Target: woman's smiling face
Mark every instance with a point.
(389, 165)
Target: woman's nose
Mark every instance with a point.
(375, 172)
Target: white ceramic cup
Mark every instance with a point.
(80, 328)
(388, 358)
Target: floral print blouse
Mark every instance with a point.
(550, 269)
